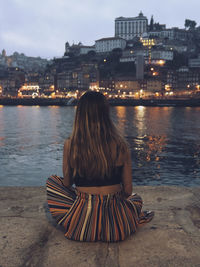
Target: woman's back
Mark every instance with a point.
(95, 154)
(96, 159)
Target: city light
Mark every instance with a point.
(161, 62)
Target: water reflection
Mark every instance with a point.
(164, 143)
(2, 137)
(139, 119)
(120, 118)
(165, 146)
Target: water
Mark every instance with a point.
(164, 142)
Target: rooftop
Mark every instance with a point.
(140, 16)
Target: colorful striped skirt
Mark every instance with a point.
(88, 217)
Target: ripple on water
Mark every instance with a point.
(164, 143)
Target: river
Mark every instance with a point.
(164, 143)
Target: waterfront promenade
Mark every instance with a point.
(176, 102)
(28, 237)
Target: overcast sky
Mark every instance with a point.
(41, 27)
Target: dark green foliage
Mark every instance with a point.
(190, 24)
(151, 24)
(157, 27)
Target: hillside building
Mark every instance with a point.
(128, 28)
(106, 45)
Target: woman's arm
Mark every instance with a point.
(66, 165)
(127, 175)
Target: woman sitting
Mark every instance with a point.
(94, 200)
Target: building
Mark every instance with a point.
(187, 79)
(184, 80)
(154, 85)
(47, 83)
(171, 34)
(180, 47)
(128, 28)
(107, 84)
(194, 62)
(171, 80)
(77, 78)
(29, 90)
(21, 61)
(127, 85)
(11, 81)
(106, 45)
(128, 55)
(140, 67)
(159, 56)
(78, 49)
(148, 42)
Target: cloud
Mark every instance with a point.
(41, 27)
(10, 37)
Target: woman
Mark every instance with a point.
(97, 161)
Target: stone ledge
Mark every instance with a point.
(171, 239)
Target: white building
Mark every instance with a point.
(85, 49)
(130, 55)
(78, 49)
(106, 45)
(194, 62)
(161, 54)
(171, 34)
(128, 28)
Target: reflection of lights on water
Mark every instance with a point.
(54, 107)
(121, 112)
(139, 141)
(149, 149)
(121, 115)
(140, 122)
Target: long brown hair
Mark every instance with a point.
(93, 137)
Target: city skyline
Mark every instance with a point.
(41, 28)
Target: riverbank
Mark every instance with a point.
(193, 102)
(28, 237)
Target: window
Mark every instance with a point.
(125, 25)
(122, 27)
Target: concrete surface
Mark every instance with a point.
(172, 238)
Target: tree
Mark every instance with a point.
(190, 24)
(157, 26)
(151, 24)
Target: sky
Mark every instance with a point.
(42, 27)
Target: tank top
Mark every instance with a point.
(115, 178)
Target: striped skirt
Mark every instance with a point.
(88, 217)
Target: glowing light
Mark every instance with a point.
(161, 62)
(155, 73)
(167, 87)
